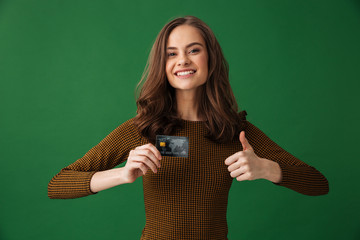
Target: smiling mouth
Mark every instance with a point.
(185, 74)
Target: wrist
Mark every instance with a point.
(121, 177)
(272, 171)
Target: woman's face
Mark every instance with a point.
(187, 59)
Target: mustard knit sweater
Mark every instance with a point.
(187, 198)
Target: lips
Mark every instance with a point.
(184, 72)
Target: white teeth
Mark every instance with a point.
(185, 73)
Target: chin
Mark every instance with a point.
(185, 85)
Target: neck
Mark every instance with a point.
(187, 105)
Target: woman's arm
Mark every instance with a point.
(246, 165)
(74, 180)
(263, 158)
(140, 160)
(107, 179)
(273, 171)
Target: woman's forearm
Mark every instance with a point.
(273, 171)
(106, 179)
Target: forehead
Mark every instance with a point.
(183, 35)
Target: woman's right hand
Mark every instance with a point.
(140, 160)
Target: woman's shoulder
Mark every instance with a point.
(247, 125)
(128, 127)
(242, 115)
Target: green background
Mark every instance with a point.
(68, 71)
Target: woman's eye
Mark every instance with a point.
(171, 54)
(194, 51)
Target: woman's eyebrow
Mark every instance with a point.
(187, 46)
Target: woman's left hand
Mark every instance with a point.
(246, 165)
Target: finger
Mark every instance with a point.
(145, 160)
(243, 177)
(238, 172)
(240, 162)
(234, 166)
(244, 142)
(152, 148)
(141, 166)
(148, 153)
(233, 158)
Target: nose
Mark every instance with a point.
(183, 60)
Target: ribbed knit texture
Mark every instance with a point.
(187, 198)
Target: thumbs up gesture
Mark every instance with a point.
(246, 165)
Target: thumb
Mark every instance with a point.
(244, 142)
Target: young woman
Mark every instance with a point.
(186, 92)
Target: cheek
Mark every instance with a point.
(168, 69)
(203, 61)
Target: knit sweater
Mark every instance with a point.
(187, 198)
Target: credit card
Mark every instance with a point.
(173, 146)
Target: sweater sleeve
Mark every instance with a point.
(296, 174)
(73, 181)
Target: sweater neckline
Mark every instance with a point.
(190, 121)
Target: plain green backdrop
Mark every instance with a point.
(68, 71)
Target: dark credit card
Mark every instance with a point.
(173, 146)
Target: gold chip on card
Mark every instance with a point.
(162, 144)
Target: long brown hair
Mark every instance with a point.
(156, 104)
